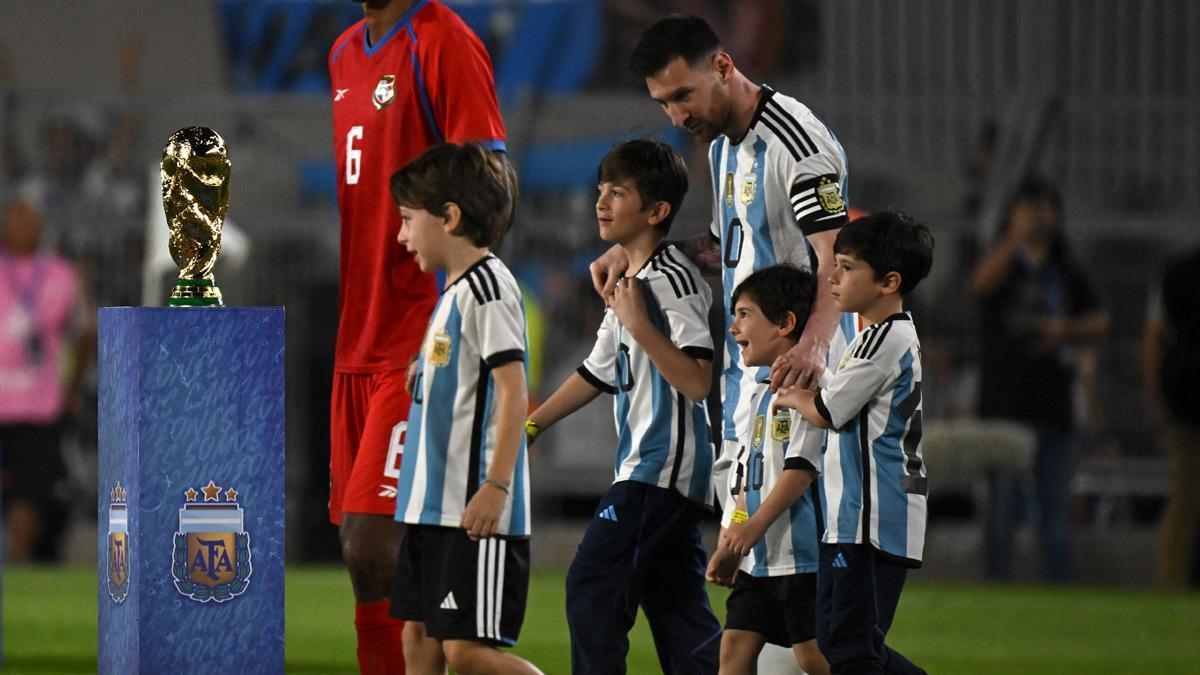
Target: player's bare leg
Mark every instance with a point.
(472, 658)
(370, 547)
(22, 524)
(739, 652)
(810, 658)
(422, 654)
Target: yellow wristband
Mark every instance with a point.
(739, 516)
(532, 430)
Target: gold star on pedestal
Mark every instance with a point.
(231, 495)
(211, 492)
(191, 494)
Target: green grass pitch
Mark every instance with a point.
(50, 626)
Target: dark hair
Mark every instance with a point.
(889, 241)
(1035, 189)
(654, 167)
(678, 35)
(780, 289)
(482, 185)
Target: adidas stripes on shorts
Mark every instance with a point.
(462, 589)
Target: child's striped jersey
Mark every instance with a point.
(874, 485)
(662, 437)
(478, 325)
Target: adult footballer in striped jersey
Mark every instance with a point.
(409, 75)
(779, 180)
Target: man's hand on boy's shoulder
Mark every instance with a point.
(801, 365)
(629, 306)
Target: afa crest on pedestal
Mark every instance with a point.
(211, 557)
(118, 544)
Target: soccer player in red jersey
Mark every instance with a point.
(409, 75)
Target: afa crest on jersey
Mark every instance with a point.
(830, 196)
(781, 425)
(749, 189)
(439, 349)
(118, 544)
(385, 92)
(211, 556)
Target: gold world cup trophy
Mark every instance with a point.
(195, 194)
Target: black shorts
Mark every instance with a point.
(31, 457)
(462, 589)
(781, 609)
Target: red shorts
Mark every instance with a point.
(368, 418)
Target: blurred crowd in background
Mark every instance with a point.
(1054, 150)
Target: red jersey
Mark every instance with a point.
(429, 80)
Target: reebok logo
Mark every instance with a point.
(341, 94)
(448, 602)
(840, 562)
(387, 491)
(609, 513)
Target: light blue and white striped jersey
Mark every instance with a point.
(874, 486)
(662, 437)
(776, 443)
(784, 181)
(478, 325)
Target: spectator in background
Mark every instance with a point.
(1039, 312)
(39, 301)
(1171, 366)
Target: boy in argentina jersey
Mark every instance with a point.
(767, 551)
(653, 353)
(463, 570)
(873, 477)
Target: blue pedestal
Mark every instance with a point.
(191, 505)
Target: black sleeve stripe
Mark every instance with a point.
(474, 289)
(887, 328)
(806, 137)
(797, 463)
(698, 352)
(483, 284)
(595, 381)
(787, 143)
(492, 275)
(792, 125)
(776, 122)
(669, 277)
(678, 273)
(507, 356)
(822, 410)
(684, 272)
(869, 335)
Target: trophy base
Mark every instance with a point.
(195, 293)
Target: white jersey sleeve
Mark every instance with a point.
(685, 300)
(804, 450)
(599, 367)
(494, 323)
(865, 368)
